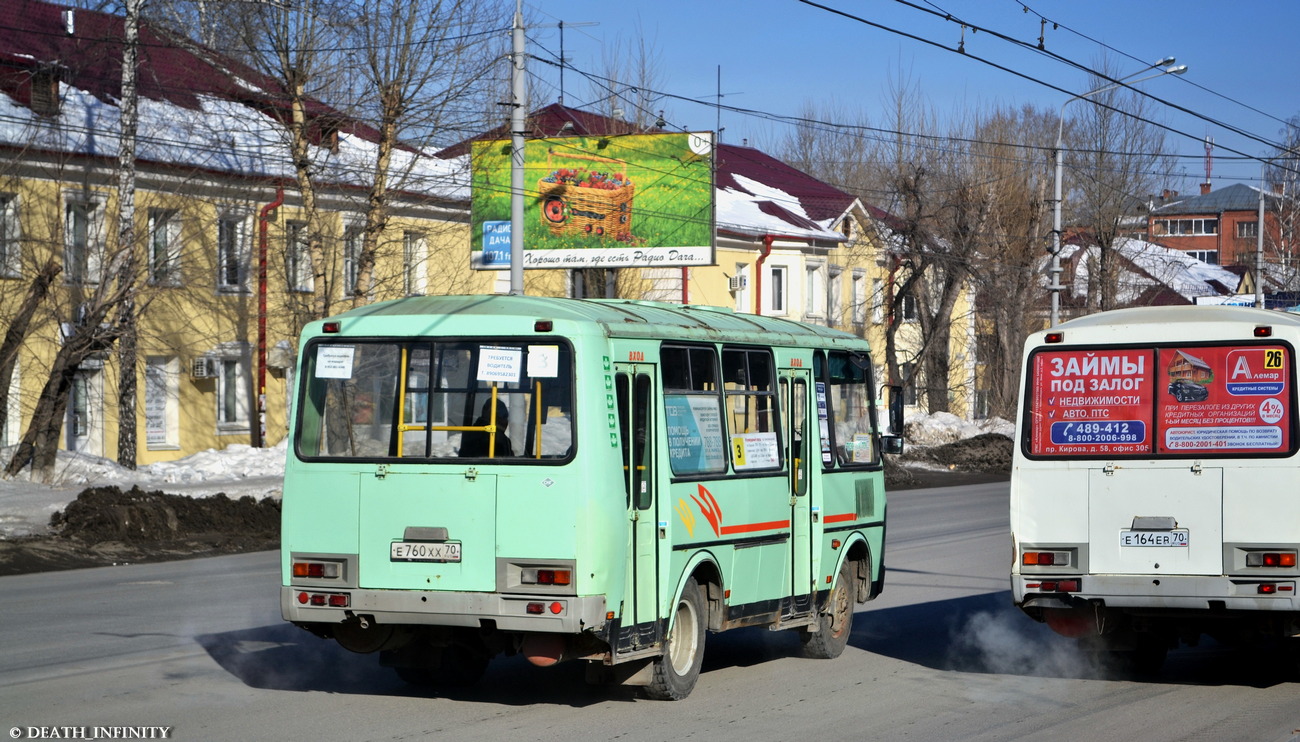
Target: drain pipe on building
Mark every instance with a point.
(263, 219)
(758, 273)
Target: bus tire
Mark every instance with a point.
(677, 669)
(835, 622)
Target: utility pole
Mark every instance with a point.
(518, 115)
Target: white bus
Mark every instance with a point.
(1155, 493)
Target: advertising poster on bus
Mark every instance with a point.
(1092, 402)
(1224, 398)
(638, 200)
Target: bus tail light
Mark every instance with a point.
(1045, 558)
(318, 570)
(320, 600)
(536, 576)
(1283, 559)
(1056, 586)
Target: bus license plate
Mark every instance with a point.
(1153, 538)
(421, 551)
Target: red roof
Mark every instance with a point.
(87, 54)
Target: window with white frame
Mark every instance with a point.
(162, 403)
(11, 254)
(777, 290)
(833, 295)
(414, 254)
(739, 284)
(353, 241)
(1247, 230)
(907, 307)
(1185, 227)
(297, 257)
(164, 247)
(859, 297)
(232, 253)
(1205, 256)
(814, 290)
(83, 240)
(232, 395)
(877, 300)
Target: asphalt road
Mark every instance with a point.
(199, 646)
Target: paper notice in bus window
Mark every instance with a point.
(502, 365)
(1091, 402)
(695, 442)
(334, 361)
(754, 451)
(543, 361)
(1224, 398)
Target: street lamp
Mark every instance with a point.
(1056, 288)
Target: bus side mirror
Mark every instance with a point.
(895, 409)
(892, 442)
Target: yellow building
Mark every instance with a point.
(215, 200)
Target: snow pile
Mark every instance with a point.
(26, 506)
(942, 428)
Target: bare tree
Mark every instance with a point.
(424, 64)
(1011, 150)
(1114, 154)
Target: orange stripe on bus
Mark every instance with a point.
(751, 527)
(842, 517)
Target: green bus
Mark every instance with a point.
(594, 480)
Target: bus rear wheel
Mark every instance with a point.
(834, 622)
(677, 669)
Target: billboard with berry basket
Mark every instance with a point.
(637, 200)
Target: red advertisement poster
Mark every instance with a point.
(1092, 402)
(1223, 398)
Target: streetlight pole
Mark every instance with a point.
(1055, 287)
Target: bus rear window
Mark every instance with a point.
(1212, 399)
(435, 400)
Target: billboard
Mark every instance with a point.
(1181, 399)
(637, 200)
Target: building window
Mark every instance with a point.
(353, 241)
(739, 286)
(1247, 230)
(859, 298)
(910, 395)
(11, 254)
(232, 254)
(833, 297)
(777, 291)
(164, 247)
(907, 307)
(814, 291)
(1185, 227)
(877, 301)
(162, 403)
(83, 242)
(297, 258)
(1205, 256)
(413, 268)
(232, 399)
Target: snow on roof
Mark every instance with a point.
(196, 108)
(1145, 266)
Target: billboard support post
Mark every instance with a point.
(517, 119)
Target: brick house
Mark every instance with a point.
(1221, 227)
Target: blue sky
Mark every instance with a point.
(777, 55)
